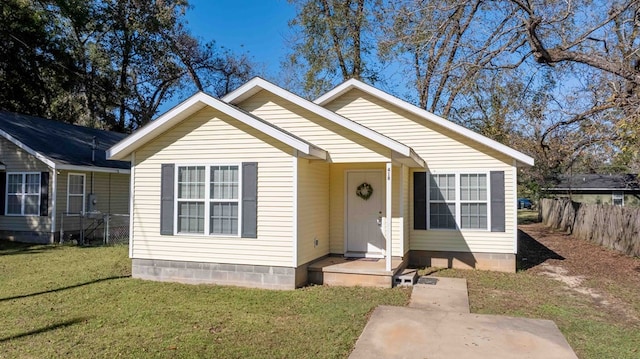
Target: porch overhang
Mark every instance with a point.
(410, 159)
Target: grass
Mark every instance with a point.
(62, 301)
(591, 330)
(526, 216)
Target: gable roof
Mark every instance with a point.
(257, 84)
(61, 145)
(521, 158)
(598, 182)
(194, 104)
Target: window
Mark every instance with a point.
(442, 201)
(191, 186)
(224, 200)
(473, 201)
(617, 198)
(212, 193)
(23, 194)
(458, 201)
(75, 193)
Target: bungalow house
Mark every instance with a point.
(52, 171)
(264, 188)
(616, 189)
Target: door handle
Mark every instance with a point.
(379, 220)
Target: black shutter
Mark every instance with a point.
(166, 199)
(497, 201)
(250, 200)
(3, 197)
(419, 200)
(44, 193)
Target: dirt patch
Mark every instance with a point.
(611, 279)
(573, 282)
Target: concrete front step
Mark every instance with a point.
(348, 272)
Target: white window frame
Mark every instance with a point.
(461, 201)
(458, 200)
(617, 195)
(22, 193)
(455, 200)
(207, 199)
(84, 191)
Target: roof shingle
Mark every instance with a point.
(62, 142)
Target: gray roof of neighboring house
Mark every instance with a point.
(61, 142)
(598, 182)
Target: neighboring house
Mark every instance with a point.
(51, 171)
(258, 187)
(616, 189)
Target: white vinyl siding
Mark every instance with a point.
(313, 210)
(443, 151)
(341, 143)
(23, 194)
(75, 193)
(209, 137)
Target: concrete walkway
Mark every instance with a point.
(437, 324)
(441, 294)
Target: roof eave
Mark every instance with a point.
(100, 169)
(257, 84)
(195, 103)
(48, 161)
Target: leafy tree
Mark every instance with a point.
(332, 44)
(108, 64)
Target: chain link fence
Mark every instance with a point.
(95, 228)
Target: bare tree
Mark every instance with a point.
(602, 41)
(447, 45)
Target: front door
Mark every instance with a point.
(364, 213)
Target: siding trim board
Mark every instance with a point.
(3, 200)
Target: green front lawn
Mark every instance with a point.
(62, 301)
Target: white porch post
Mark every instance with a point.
(389, 175)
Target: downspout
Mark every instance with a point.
(295, 210)
(388, 214)
(54, 192)
(131, 196)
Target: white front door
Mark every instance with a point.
(363, 219)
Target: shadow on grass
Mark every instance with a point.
(64, 288)
(45, 329)
(532, 253)
(10, 248)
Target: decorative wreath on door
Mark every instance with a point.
(364, 191)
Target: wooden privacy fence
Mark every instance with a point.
(614, 227)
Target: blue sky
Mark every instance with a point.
(258, 27)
